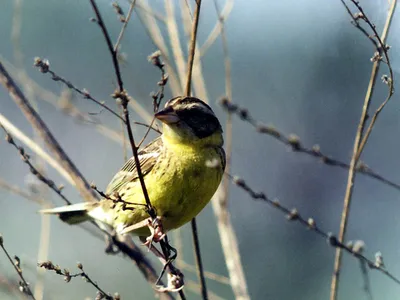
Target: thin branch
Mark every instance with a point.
(44, 67)
(192, 52)
(16, 190)
(126, 21)
(175, 41)
(124, 98)
(35, 148)
(79, 181)
(295, 144)
(354, 248)
(357, 150)
(367, 283)
(209, 275)
(121, 95)
(48, 265)
(33, 169)
(192, 48)
(199, 263)
(216, 31)
(227, 234)
(42, 130)
(153, 31)
(23, 284)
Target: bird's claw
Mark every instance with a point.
(156, 230)
(175, 283)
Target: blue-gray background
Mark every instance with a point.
(299, 65)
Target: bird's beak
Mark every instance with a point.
(167, 116)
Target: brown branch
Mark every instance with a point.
(122, 95)
(359, 141)
(33, 169)
(195, 235)
(295, 144)
(354, 248)
(126, 21)
(48, 265)
(42, 130)
(23, 284)
(80, 182)
(192, 47)
(44, 67)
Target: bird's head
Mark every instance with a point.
(189, 120)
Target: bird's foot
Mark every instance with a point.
(175, 283)
(156, 230)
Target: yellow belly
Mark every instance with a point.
(180, 185)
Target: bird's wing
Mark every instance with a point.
(128, 173)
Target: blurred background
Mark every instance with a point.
(299, 65)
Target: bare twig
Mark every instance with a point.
(192, 48)
(192, 53)
(220, 203)
(35, 148)
(33, 169)
(153, 31)
(353, 248)
(121, 95)
(23, 284)
(216, 31)
(125, 24)
(44, 67)
(41, 128)
(367, 283)
(158, 96)
(48, 265)
(80, 182)
(209, 275)
(16, 190)
(295, 144)
(175, 41)
(361, 139)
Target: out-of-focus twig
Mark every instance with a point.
(44, 67)
(33, 169)
(354, 248)
(34, 147)
(175, 42)
(48, 265)
(188, 89)
(121, 95)
(220, 203)
(216, 31)
(295, 144)
(42, 130)
(153, 31)
(23, 284)
(361, 138)
(124, 25)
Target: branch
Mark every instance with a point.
(360, 140)
(44, 67)
(126, 21)
(80, 182)
(192, 52)
(354, 248)
(121, 95)
(35, 171)
(42, 130)
(295, 144)
(48, 265)
(23, 284)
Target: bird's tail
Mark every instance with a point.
(71, 214)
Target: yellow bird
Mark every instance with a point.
(182, 170)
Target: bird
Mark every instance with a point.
(182, 170)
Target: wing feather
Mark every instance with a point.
(147, 156)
